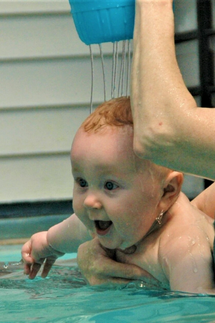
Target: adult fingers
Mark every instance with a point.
(105, 271)
(124, 271)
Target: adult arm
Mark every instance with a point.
(169, 128)
(45, 247)
(205, 201)
(98, 266)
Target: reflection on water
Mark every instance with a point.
(61, 278)
(65, 297)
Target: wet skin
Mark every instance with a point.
(116, 194)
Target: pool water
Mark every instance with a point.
(65, 297)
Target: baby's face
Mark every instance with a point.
(116, 194)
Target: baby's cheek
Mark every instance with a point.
(127, 231)
(77, 206)
(78, 210)
(83, 217)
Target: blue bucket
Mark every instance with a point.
(101, 21)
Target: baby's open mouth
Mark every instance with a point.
(102, 226)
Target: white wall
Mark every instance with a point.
(44, 96)
(45, 93)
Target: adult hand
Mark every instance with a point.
(36, 252)
(98, 267)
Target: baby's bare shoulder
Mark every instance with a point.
(187, 234)
(187, 249)
(187, 223)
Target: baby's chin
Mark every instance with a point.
(128, 250)
(109, 245)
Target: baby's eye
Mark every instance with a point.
(82, 182)
(110, 186)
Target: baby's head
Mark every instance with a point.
(116, 115)
(112, 184)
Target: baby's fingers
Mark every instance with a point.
(47, 266)
(34, 270)
(28, 261)
(27, 269)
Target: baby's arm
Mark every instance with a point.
(205, 201)
(45, 247)
(187, 262)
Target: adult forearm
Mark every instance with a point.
(205, 201)
(158, 94)
(157, 84)
(168, 127)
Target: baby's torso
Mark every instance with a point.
(185, 223)
(146, 256)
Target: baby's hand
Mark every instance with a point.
(36, 252)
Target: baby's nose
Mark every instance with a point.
(92, 202)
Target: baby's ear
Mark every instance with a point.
(171, 190)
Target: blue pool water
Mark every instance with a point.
(65, 297)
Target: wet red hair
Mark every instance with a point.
(115, 112)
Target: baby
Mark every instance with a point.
(128, 203)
